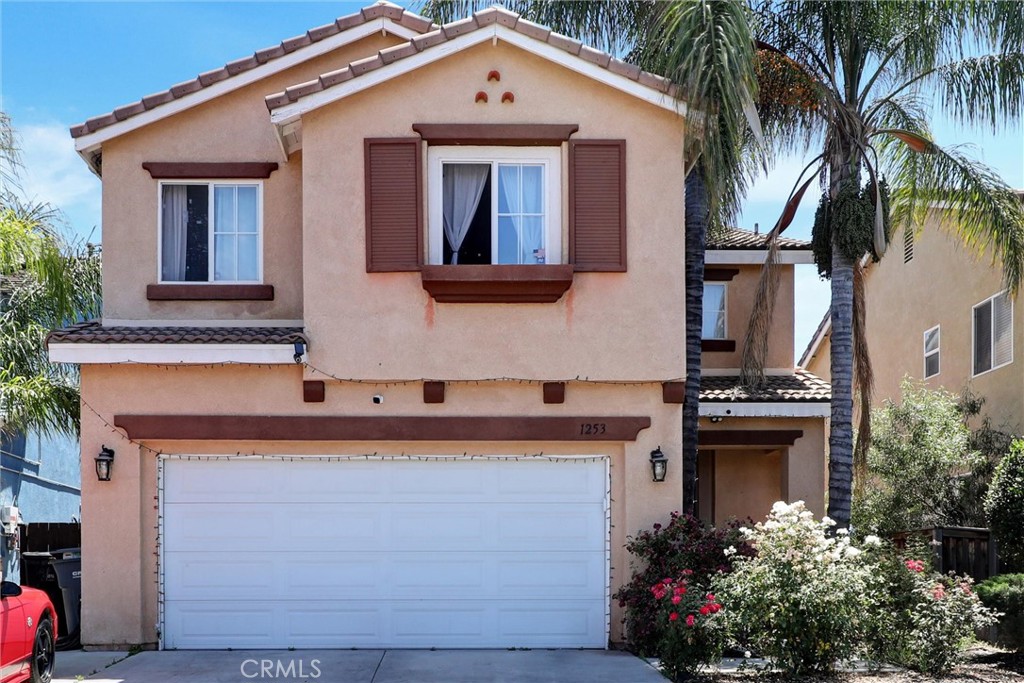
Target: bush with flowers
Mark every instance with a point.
(693, 634)
(685, 543)
(801, 600)
(920, 619)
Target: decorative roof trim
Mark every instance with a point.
(493, 24)
(173, 354)
(824, 330)
(756, 256)
(90, 136)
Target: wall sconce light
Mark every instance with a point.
(104, 463)
(659, 465)
(715, 419)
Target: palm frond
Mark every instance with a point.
(706, 47)
(986, 90)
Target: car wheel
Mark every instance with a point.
(42, 652)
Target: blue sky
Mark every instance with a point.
(63, 62)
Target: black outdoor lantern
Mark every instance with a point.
(104, 463)
(659, 464)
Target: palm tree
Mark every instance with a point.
(45, 282)
(706, 48)
(863, 78)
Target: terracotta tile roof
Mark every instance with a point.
(736, 238)
(93, 332)
(487, 17)
(314, 35)
(801, 386)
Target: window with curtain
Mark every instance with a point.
(210, 232)
(495, 206)
(714, 311)
(931, 352)
(993, 333)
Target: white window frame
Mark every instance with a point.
(549, 157)
(211, 232)
(974, 333)
(725, 310)
(937, 352)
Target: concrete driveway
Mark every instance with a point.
(362, 666)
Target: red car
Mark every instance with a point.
(28, 632)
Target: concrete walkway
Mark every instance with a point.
(367, 666)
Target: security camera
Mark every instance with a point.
(378, 399)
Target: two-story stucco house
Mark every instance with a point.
(392, 330)
(941, 315)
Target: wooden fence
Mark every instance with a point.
(961, 550)
(40, 536)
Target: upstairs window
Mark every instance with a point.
(210, 232)
(494, 206)
(993, 333)
(713, 326)
(931, 352)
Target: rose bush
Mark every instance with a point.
(692, 633)
(801, 599)
(685, 543)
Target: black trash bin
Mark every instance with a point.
(59, 573)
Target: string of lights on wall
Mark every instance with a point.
(403, 382)
(107, 455)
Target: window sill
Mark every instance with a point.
(209, 292)
(718, 345)
(540, 284)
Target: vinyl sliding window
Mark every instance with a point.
(211, 232)
(931, 352)
(992, 322)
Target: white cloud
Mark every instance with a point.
(54, 173)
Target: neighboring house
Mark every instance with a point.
(768, 445)
(939, 314)
(39, 475)
(335, 436)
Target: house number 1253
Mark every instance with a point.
(592, 428)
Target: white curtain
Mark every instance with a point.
(463, 185)
(175, 226)
(526, 198)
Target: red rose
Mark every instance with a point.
(673, 616)
(705, 610)
(690, 619)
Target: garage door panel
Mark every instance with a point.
(476, 557)
(563, 526)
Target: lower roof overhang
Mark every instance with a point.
(765, 409)
(380, 428)
(172, 354)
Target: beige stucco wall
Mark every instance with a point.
(740, 293)
(608, 325)
(119, 531)
(939, 286)
(746, 481)
(233, 127)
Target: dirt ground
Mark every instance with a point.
(981, 665)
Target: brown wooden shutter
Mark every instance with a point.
(597, 205)
(394, 217)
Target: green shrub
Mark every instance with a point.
(685, 543)
(693, 633)
(801, 600)
(1004, 505)
(919, 619)
(920, 449)
(1005, 593)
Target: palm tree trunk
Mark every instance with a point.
(840, 441)
(845, 165)
(696, 237)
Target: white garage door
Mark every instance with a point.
(384, 553)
